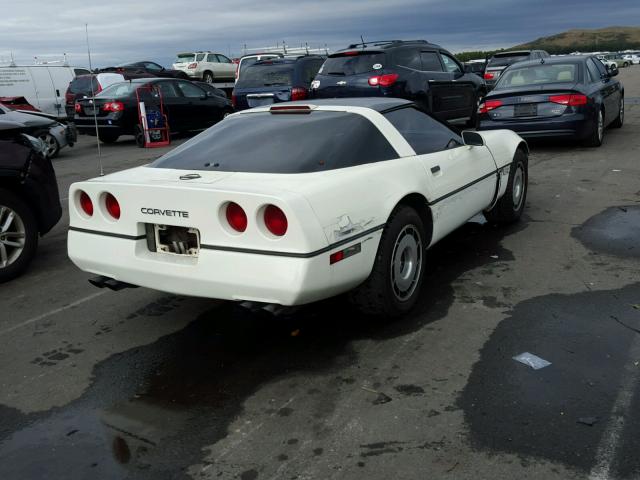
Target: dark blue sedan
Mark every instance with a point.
(567, 96)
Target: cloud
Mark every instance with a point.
(122, 30)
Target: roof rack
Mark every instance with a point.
(287, 51)
(377, 43)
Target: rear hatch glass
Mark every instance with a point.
(281, 143)
(119, 90)
(83, 84)
(343, 65)
(505, 59)
(266, 76)
(184, 58)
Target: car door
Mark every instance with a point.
(608, 90)
(227, 67)
(173, 104)
(461, 89)
(443, 95)
(194, 105)
(460, 181)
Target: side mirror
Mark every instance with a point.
(472, 139)
(613, 71)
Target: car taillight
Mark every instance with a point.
(113, 107)
(488, 76)
(234, 100)
(572, 100)
(298, 93)
(113, 207)
(236, 217)
(383, 80)
(489, 105)
(86, 204)
(275, 220)
(77, 108)
(193, 65)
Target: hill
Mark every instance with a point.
(602, 39)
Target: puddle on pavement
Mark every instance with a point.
(615, 231)
(151, 410)
(512, 408)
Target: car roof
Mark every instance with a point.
(379, 104)
(284, 60)
(554, 60)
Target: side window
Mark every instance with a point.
(168, 89)
(189, 90)
(152, 66)
(408, 58)
(424, 134)
(212, 58)
(430, 62)
(601, 67)
(450, 64)
(200, 57)
(223, 59)
(594, 73)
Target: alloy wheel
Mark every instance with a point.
(50, 143)
(12, 236)
(600, 126)
(518, 187)
(406, 262)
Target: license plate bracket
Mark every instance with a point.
(174, 240)
(525, 110)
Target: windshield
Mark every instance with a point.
(119, 90)
(270, 143)
(353, 64)
(82, 84)
(185, 57)
(266, 76)
(505, 59)
(539, 75)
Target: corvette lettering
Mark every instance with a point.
(165, 213)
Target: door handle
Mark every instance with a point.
(435, 169)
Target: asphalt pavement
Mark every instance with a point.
(141, 384)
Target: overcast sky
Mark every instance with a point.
(126, 30)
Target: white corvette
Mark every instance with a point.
(298, 202)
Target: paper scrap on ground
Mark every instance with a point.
(532, 360)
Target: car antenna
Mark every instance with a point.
(93, 95)
(362, 38)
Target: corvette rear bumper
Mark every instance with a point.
(219, 274)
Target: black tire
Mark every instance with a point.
(617, 123)
(595, 137)
(108, 137)
(379, 295)
(510, 206)
(208, 77)
(625, 64)
(51, 143)
(27, 217)
(139, 135)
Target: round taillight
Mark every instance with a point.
(113, 207)
(275, 220)
(236, 217)
(86, 204)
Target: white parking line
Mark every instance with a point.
(52, 312)
(609, 443)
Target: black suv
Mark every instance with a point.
(276, 80)
(502, 60)
(414, 69)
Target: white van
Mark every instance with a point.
(43, 86)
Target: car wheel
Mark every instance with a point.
(52, 147)
(473, 121)
(139, 135)
(625, 64)
(393, 286)
(617, 123)
(509, 207)
(208, 77)
(227, 113)
(595, 139)
(108, 137)
(18, 235)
